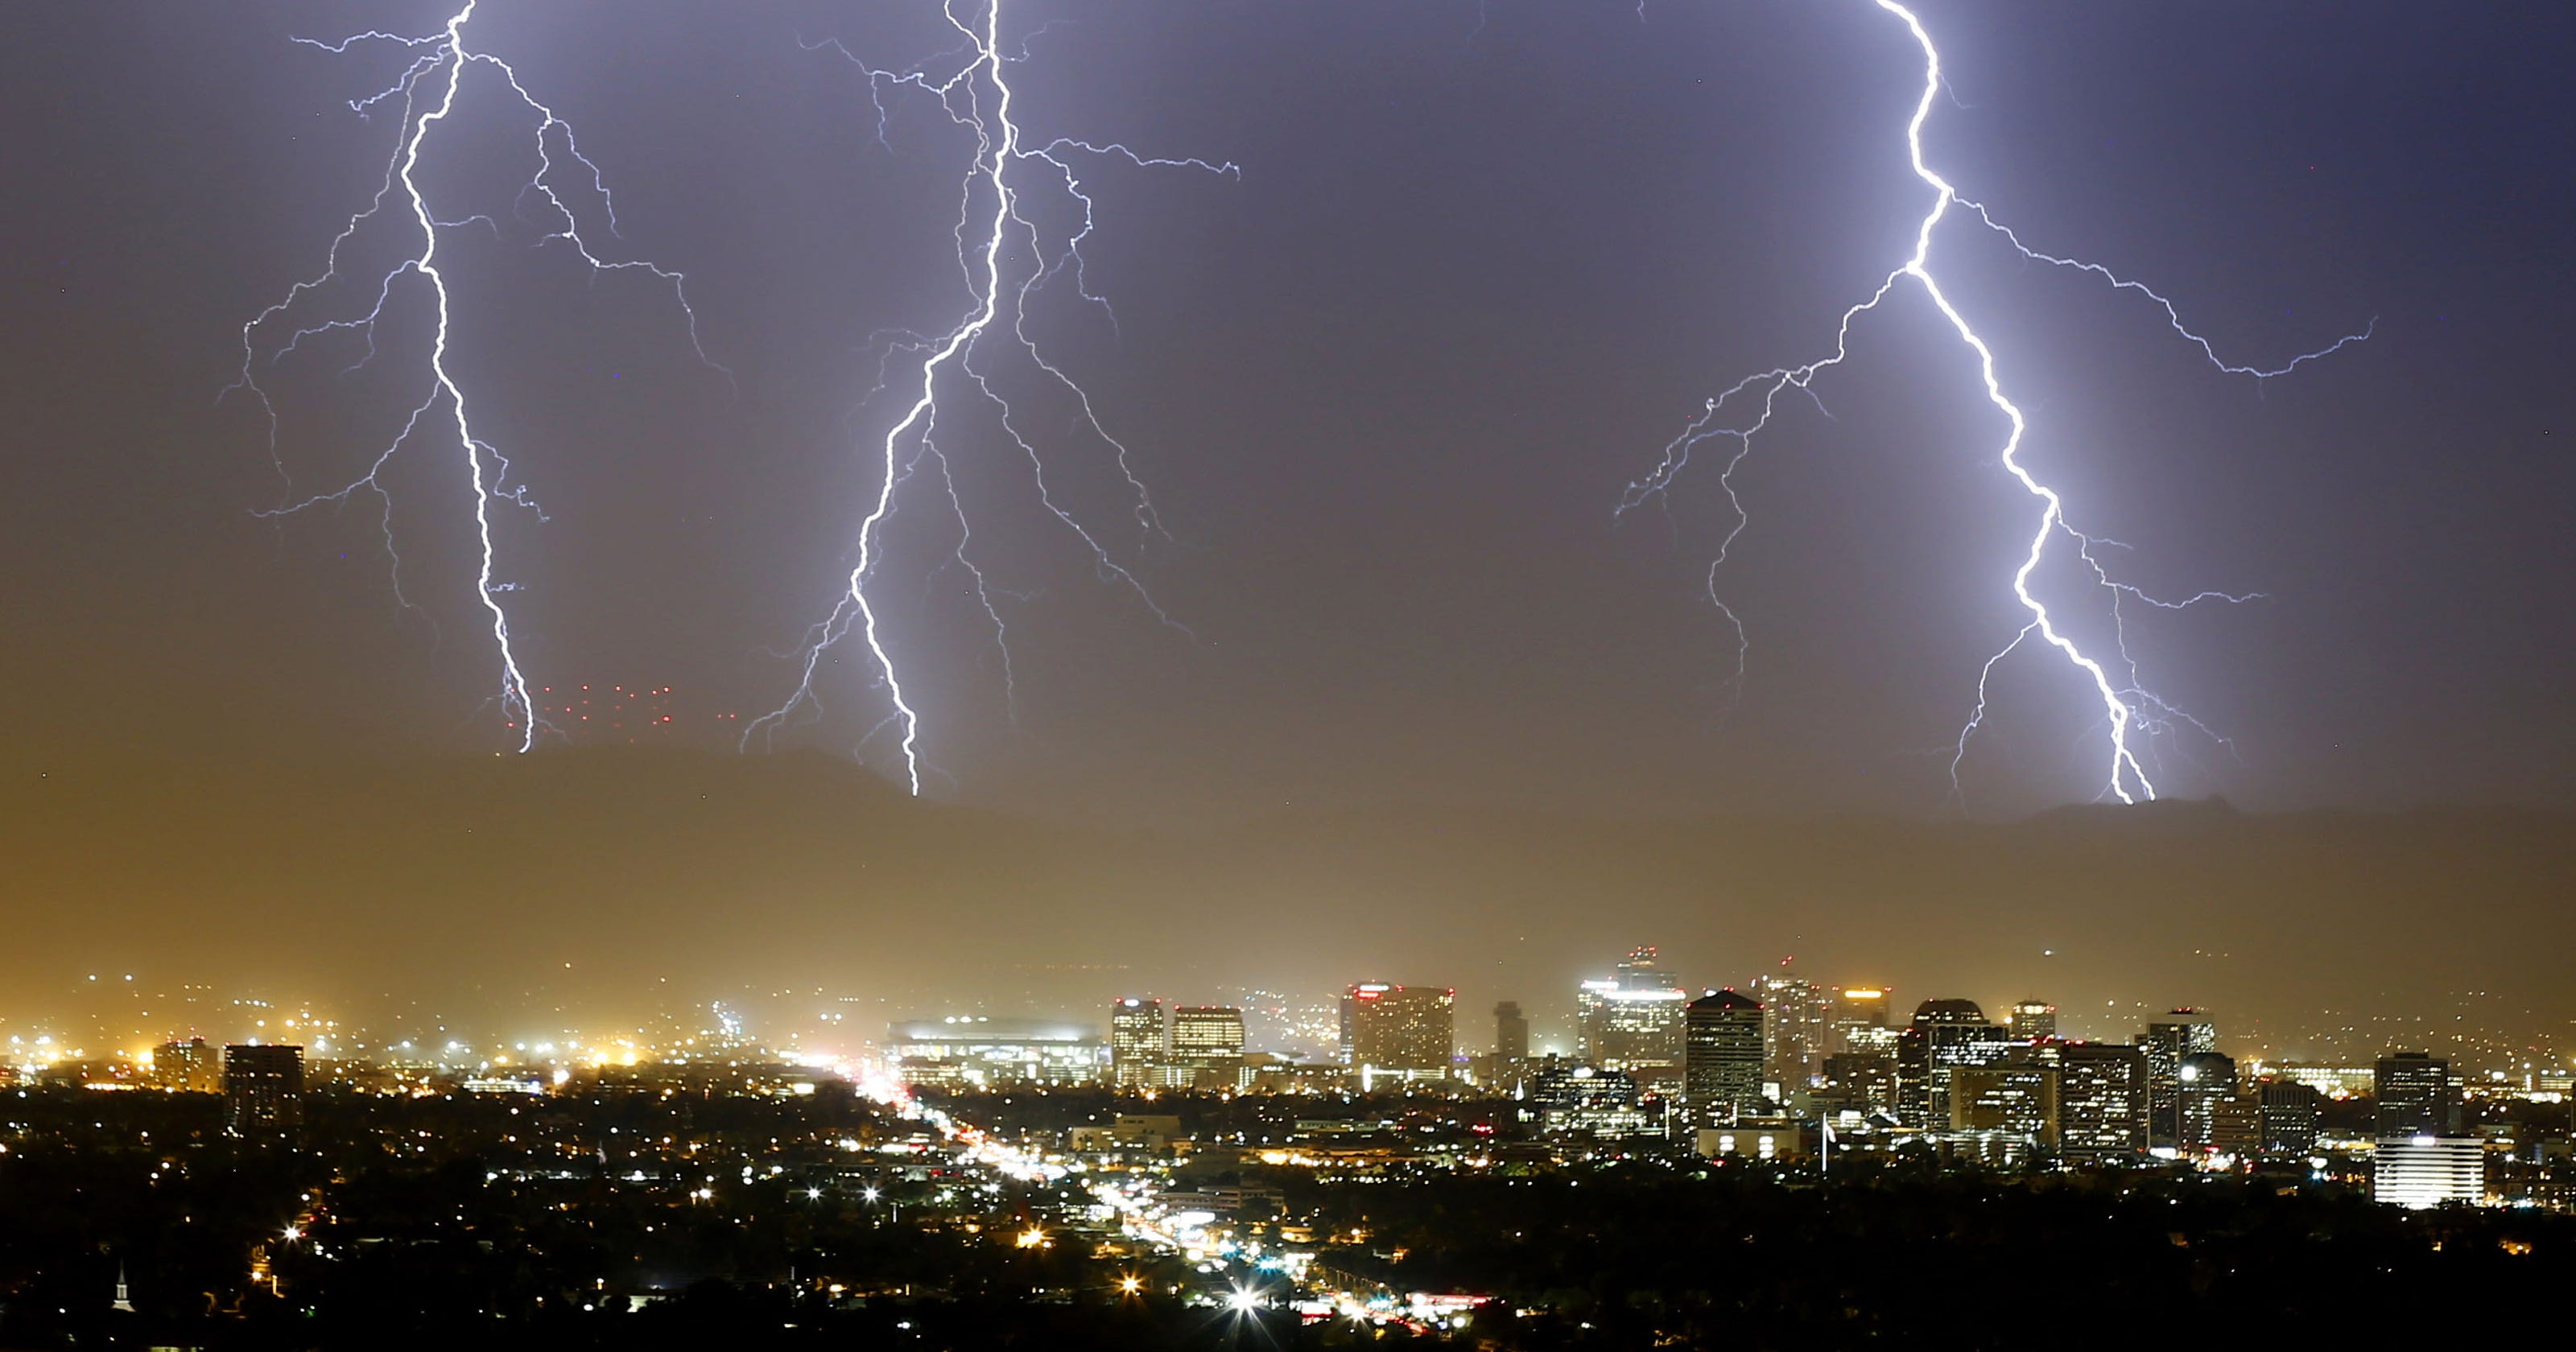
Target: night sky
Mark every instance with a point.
(1386, 389)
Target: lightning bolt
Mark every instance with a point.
(426, 93)
(975, 93)
(2134, 714)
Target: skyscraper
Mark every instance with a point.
(1860, 1014)
(2101, 1100)
(2166, 1042)
(2016, 1095)
(1632, 1021)
(2203, 1081)
(263, 1092)
(2289, 1111)
(1796, 1027)
(1511, 1031)
(1207, 1046)
(1411, 1029)
(2236, 1126)
(1722, 1057)
(188, 1065)
(2412, 1093)
(2033, 1021)
(1943, 1035)
(1139, 1046)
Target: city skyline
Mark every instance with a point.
(1133, 1039)
(1206, 674)
(2015, 1095)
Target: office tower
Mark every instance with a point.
(2236, 1126)
(1207, 1046)
(2016, 1095)
(1857, 1082)
(1632, 1020)
(2426, 1171)
(2101, 1100)
(190, 1066)
(2412, 1091)
(1872, 1042)
(1643, 970)
(1859, 1021)
(1139, 1045)
(2289, 1119)
(2202, 1081)
(2289, 1116)
(263, 1092)
(2166, 1042)
(1511, 1032)
(1796, 1028)
(1943, 1035)
(1410, 1029)
(1722, 1057)
(2033, 1021)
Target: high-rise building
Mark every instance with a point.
(2016, 1095)
(2289, 1117)
(1632, 1021)
(2413, 1096)
(263, 1092)
(2033, 1021)
(1859, 1016)
(1871, 1041)
(1722, 1057)
(1207, 1046)
(2236, 1126)
(1797, 1030)
(2426, 1171)
(1944, 1034)
(1409, 1029)
(190, 1066)
(2166, 1042)
(1858, 1082)
(2101, 1100)
(1643, 970)
(1511, 1031)
(2202, 1081)
(1139, 1044)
